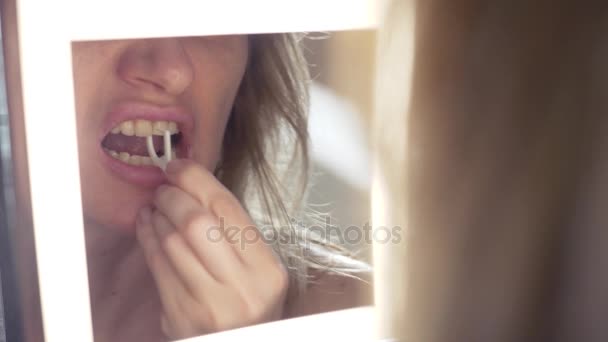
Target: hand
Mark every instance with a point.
(207, 281)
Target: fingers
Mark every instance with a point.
(201, 231)
(206, 281)
(185, 263)
(178, 319)
(196, 180)
(239, 230)
(162, 271)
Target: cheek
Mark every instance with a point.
(90, 70)
(93, 75)
(207, 146)
(217, 90)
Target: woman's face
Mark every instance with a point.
(129, 89)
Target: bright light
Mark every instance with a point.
(116, 19)
(353, 325)
(46, 30)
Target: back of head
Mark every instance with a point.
(507, 172)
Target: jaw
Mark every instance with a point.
(112, 203)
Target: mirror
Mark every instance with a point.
(245, 170)
(227, 235)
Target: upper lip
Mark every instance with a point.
(132, 110)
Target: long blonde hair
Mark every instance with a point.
(265, 160)
(508, 189)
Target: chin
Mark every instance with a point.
(123, 223)
(116, 211)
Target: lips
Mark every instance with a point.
(123, 135)
(127, 142)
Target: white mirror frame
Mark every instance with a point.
(46, 31)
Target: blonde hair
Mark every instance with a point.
(508, 121)
(265, 160)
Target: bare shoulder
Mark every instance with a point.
(329, 292)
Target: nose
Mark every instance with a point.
(156, 66)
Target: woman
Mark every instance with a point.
(181, 253)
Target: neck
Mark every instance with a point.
(121, 287)
(115, 262)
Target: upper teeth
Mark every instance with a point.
(144, 128)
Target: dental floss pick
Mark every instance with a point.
(151, 151)
(160, 162)
(168, 149)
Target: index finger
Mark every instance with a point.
(201, 184)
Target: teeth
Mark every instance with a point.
(159, 127)
(135, 159)
(144, 128)
(127, 128)
(146, 161)
(172, 127)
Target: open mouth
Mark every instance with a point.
(127, 141)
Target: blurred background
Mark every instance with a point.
(342, 68)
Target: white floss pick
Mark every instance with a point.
(160, 162)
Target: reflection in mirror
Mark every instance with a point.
(232, 232)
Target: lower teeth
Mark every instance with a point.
(134, 159)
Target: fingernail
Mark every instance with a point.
(174, 166)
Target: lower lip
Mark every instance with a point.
(146, 176)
